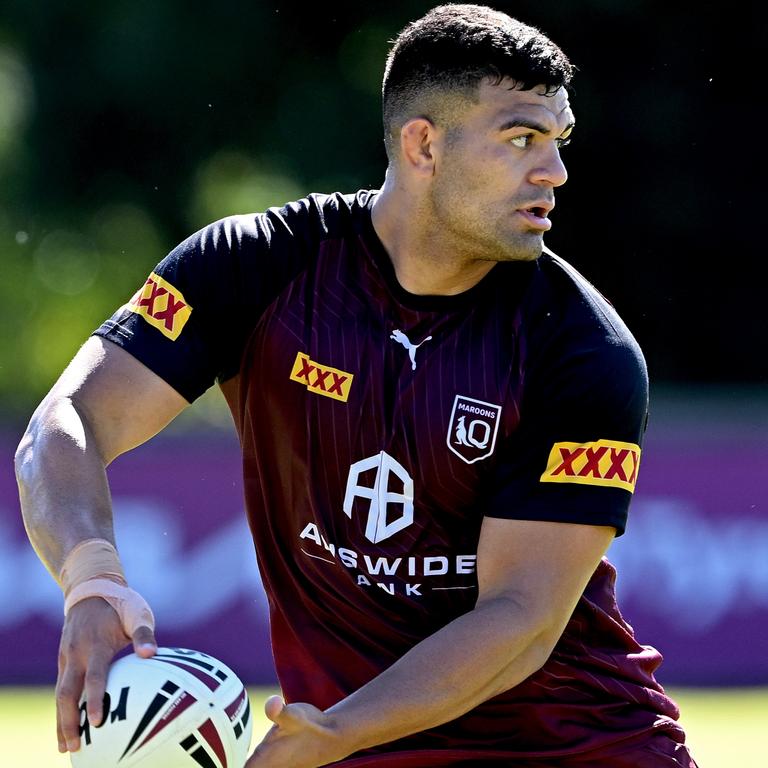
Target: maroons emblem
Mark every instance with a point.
(473, 428)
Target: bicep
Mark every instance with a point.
(122, 401)
(542, 566)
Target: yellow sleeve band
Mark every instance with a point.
(607, 463)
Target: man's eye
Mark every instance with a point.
(522, 142)
(562, 143)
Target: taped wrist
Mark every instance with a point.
(93, 569)
(91, 559)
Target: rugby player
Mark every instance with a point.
(441, 424)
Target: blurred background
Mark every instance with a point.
(125, 126)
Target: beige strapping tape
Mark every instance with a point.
(131, 607)
(93, 569)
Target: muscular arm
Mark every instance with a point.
(104, 404)
(530, 574)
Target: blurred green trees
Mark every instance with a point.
(125, 126)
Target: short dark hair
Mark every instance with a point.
(454, 48)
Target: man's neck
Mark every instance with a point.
(424, 261)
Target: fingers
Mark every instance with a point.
(59, 733)
(273, 708)
(144, 643)
(62, 744)
(96, 685)
(67, 710)
(91, 636)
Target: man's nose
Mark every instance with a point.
(551, 170)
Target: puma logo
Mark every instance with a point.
(401, 338)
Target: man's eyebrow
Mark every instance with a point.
(523, 123)
(532, 125)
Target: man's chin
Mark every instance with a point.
(528, 247)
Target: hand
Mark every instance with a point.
(92, 635)
(302, 736)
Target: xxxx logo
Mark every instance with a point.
(606, 462)
(161, 305)
(321, 379)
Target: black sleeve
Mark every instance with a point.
(576, 452)
(192, 317)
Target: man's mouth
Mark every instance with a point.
(536, 214)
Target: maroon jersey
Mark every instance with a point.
(379, 428)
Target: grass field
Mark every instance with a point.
(725, 727)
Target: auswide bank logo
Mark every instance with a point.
(473, 428)
(381, 523)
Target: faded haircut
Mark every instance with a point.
(437, 63)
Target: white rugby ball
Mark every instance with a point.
(179, 709)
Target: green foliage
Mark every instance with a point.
(61, 283)
(125, 126)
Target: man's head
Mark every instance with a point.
(438, 62)
(475, 112)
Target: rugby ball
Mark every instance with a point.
(179, 709)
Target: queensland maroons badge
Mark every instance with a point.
(473, 428)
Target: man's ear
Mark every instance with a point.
(418, 144)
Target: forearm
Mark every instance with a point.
(475, 657)
(62, 483)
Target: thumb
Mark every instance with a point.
(144, 643)
(274, 707)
